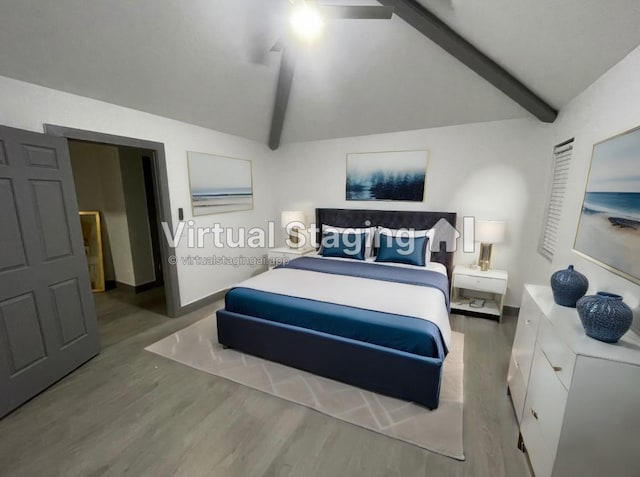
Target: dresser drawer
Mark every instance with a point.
(546, 401)
(517, 387)
(525, 339)
(560, 356)
(485, 284)
(539, 454)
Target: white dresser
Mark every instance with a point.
(577, 400)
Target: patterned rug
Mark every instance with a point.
(438, 431)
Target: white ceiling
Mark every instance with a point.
(189, 60)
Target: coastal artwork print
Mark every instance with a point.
(387, 175)
(219, 184)
(609, 228)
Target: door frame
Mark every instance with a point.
(161, 192)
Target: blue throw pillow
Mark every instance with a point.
(344, 245)
(409, 250)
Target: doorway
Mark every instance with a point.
(112, 186)
(153, 193)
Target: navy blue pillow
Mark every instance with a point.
(344, 245)
(409, 250)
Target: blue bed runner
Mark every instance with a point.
(374, 271)
(404, 333)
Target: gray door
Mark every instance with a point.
(47, 316)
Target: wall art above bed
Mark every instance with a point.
(399, 176)
(609, 228)
(219, 184)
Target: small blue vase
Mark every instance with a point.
(605, 316)
(568, 286)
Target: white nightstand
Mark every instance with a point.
(468, 283)
(277, 256)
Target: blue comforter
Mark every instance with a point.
(404, 333)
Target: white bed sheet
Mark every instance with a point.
(398, 298)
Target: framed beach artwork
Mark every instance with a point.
(219, 183)
(387, 175)
(609, 228)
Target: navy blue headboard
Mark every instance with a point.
(393, 219)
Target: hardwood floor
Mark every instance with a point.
(131, 412)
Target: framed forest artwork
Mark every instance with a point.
(383, 176)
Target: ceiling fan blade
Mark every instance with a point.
(283, 92)
(356, 12)
(278, 45)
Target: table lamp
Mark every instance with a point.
(488, 232)
(288, 217)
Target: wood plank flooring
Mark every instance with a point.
(131, 412)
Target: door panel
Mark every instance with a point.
(37, 156)
(47, 317)
(68, 310)
(50, 212)
(3, 155)
(22, 332)
(12, 254)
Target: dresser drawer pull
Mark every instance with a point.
(527, 322)
(557, 369)
(534, 414)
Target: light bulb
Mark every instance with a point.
(306, 22)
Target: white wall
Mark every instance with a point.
(495, 170)
(608, 107)
(27, 106)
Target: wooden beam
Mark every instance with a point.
(444, 36)
(283, 91)
(356, 12)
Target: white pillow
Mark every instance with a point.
(408, 233)
(370, 231)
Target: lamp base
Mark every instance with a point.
(484, 261)
(294, 239)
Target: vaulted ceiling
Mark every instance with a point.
(189, 60)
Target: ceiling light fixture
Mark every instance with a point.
(306, 22)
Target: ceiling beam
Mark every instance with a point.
(444, 36)
(283, 91)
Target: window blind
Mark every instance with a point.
(555, 199)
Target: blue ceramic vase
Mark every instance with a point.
(568, 286)
(605, 316)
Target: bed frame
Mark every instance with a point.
(377, 368)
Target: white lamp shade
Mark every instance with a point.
(289, 216)
(490, 231)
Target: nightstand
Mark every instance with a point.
(277, 256)
(468, 283)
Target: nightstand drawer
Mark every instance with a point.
(281, 255)
(278, 256)
(485, 284)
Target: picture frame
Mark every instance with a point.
(92, 239)
(387, 176)
(608, 231)
(219, 183)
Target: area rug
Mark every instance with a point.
(438, 431)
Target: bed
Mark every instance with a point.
(383, 327)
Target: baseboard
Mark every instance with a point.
(510, 310)
(136, 288)
(207, 300)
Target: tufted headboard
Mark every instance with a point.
(392, 219)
